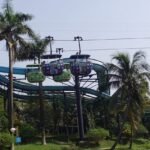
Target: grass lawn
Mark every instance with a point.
(41, 147)
(139, 144)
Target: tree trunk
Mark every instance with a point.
(131, 138)
(42, 115)
(116, 142)
(118, 121)
(10, 95)
(5, 105)
(118, 138)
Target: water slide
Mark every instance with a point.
(29, 88)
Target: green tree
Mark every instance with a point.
(33, 51)
(12, 29)
(130, 77)
(37, 48)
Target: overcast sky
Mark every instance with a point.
(91, 19)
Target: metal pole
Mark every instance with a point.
(42, 113)
(78, 38)
(78, 99)
(66, 117)
(79, 108)
(50, 41)
(58, 50)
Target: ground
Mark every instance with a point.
(140, 144)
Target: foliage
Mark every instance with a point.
(97, 134)
(126, 130)
(142, 131)
(146, 119)
(13, 26)
(3, 121)
(130, 77)
(5, 139)
(33, 49)
(3, 117)
(27, 132)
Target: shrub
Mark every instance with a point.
(5, 140)
(3, 122)
(126, 130)
(142, 131)
(97, 134)
(27, 132)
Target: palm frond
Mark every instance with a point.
(115, 84)
(138, 56)
(8, 6)
(21, 17)
(113, 68)
(145, 74)
(123, 60)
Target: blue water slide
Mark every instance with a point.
(30, 87)
(26, 87)
(16, 70)
(23, 71)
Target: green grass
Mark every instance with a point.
(40, 147)
(140, 144)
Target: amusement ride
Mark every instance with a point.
(78, 74)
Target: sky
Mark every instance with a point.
(90, 19)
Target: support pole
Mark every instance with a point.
(79, 109)
(42, 115)
(42, 112)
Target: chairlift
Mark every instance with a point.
(80, 65)
(53, 68)
(34, 75)
(65, 76)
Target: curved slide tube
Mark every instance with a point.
(26, 87)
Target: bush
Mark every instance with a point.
(5, 140)
(27, 132)
(3, 122)
(97, 134)
(126, 130)
(142, 131)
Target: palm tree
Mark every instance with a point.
(130, 77)
(12, 28)
(33, 51)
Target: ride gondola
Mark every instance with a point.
(34, 75)
(52, 68)
(65, 76)
(80, 65)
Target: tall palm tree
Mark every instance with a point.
(12, 29)
(33, 49)
(130, 77)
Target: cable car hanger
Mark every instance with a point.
(78, 54)
(51, 55)
(80, 64)
(56, 67)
